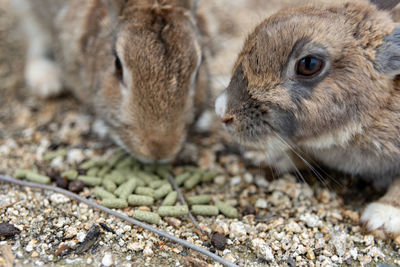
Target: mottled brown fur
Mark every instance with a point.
(349, 118)
(160, 46)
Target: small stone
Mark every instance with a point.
(237, 230)
(71, 232)
(8, 230)
(107, 259)
(35, 254)
(236, 180)
(261, 203)
(148, 252)
(58, 198)
(354, 253)
(62, 182)
(352, 215)
(339, 242)
(173, 221)
(30, 246)
(76, 186)
(311, 220)
(262, 250)
(218, 241)
(75, 156)
(220, 180)
(310, 254)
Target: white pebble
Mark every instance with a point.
(311, 220)
(81, 236)
(58, 198)
(148, 252)
(30, 246)
(236, 180)
(339, 242)
(75, 156)
(261, 203)
(237, 230)
(107, 259)
(262, 250)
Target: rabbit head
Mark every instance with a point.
(148, 92)
(312, 75)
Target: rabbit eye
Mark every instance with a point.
(119, 72)
(309, 66)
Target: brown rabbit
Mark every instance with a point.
(322, 79)
(140, 64)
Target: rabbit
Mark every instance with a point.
(140, 65)
(321, 81)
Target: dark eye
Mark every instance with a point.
(309, 66)
(119, 72)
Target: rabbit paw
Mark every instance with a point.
(43, 77)
(382, 217)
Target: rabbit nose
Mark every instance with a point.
(227, 119)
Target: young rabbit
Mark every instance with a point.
(322, 79)
(139, 64)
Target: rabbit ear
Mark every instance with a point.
(115, 8)
(387, 59)
(191, 4)
(385, 4)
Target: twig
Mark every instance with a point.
(121, 216)
(183, 201)
(9, 205)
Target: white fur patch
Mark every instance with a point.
(220, 105)
(100, 128)
(43, 77)
(382, 216)
(339, 138)
(203, 124)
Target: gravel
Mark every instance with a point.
(281, 221)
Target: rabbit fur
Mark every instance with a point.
(346, 116)
(140, 65)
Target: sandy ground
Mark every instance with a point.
(281, 221)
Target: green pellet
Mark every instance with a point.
(20, 174)
(102, 193)
(37, 178)
(116, 177)
(126, 162)
(146, 216)
(200, 199)
(162, 191)
(170, 199)
(104, 170)
(158, 183)
(145, 177)
(49, 156)
(93, 171)
(208, 176)
(70, 174)
(172, 211)
(140, 200)
(114, 203)
(181, 178)
(192, 169)
(163, 172)
(109, 185)
(226, 209)
(91, 163)
(88, 180)
(193, 181)
(146, 191)
(205, 210)
(125, 189)
(116, 157)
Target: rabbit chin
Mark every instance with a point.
(144, 160)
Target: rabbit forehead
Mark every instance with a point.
(357, 25)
